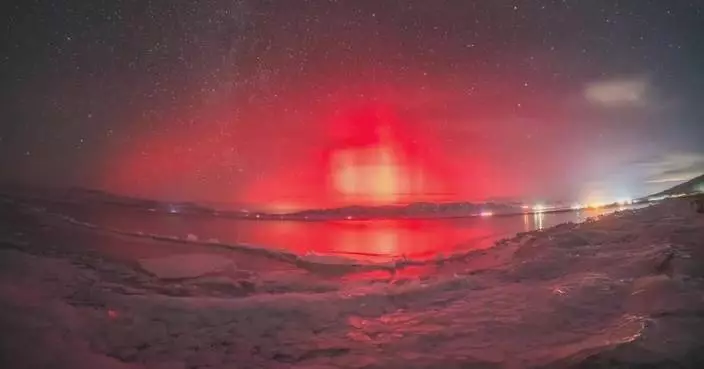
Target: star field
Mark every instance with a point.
(206, 100)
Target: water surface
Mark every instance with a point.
(376, 240)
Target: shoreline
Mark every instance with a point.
(624, 289)
(301, 216)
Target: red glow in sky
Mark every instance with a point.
(253, 102)
(364, 155)
(368, 157)
(376, 160)
(372, 159)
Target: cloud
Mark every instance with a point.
(671, 168)
(618, 92)
(683, 178)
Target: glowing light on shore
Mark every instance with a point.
(486, 213)
(596, 205)
(577, 206)
(538, 218)
(539, 208)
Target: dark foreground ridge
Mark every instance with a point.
(624, 291)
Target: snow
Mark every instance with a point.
(327, 259)
(622, 290)
(185, 266)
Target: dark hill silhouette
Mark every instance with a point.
(693, 185)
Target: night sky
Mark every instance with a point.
(285, 103)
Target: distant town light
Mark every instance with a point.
(577, 206)
(539, 208)
(486, 213)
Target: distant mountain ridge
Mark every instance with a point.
(413, 210)
(693, 185)
(93, 196)
(357, 212)
(416, 209)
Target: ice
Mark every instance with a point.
(624, 290)
(328, 259)
(185, 266)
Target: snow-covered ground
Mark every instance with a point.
(627, 289)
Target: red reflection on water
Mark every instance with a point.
(377, 239)
(374, 240)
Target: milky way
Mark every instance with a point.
(282, 103)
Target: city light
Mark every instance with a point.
(486, 213)
(539, 208)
